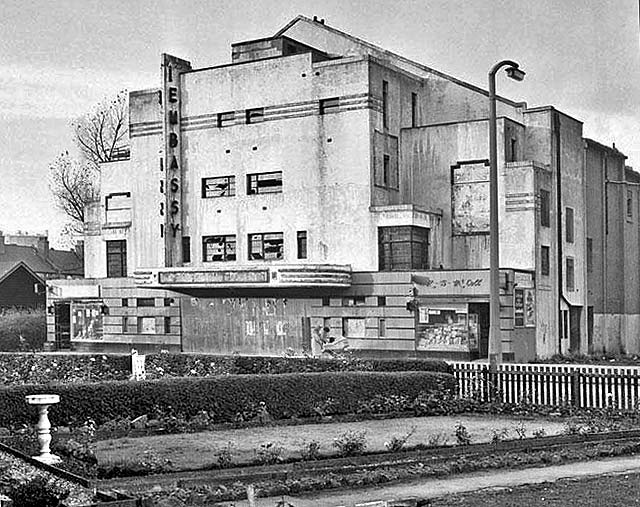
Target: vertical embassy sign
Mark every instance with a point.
(171, 182)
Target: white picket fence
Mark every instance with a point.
(579, 385)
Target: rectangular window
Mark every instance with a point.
(145, 302)
(353, 327)
(329, 105)
(326, 301)
(385, 104)
(219, 248)
(568, 227)
(186, 249)
(146, 325)
(227, 118)
(255, 115)
(354, 301)
(129, 324)
(125, 302)
(513, 150)
(220, 186)
(589, 255)
(403, 248)
(544, 260)
(382, 328)
(118, 207)
(266, 246)
(264, 183)
(414, 109)
(385, 170)
(545, 217)
(167, 325)
(168, 301)
(116, 258)
(629, 204)
(382, 300)
(301, 238)
(570, 274)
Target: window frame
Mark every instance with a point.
(301, 244)
(570, 281)
(419, 237)
(227, 240)
(545, 260)
(629, 204)
(589, 255)
(231, 186)
(261, 235)
(329, 105)
(385, 104)
(121, 271)
(225, 119)
(414, 109)
(186, 248)
(569, 231)
(545, 208)
(254, 115)
(255, 190)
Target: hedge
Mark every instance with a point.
(223, 397)
(59, 368)
(22, 330)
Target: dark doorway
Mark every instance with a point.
(575, 312)
(63, 325)
(481, 310)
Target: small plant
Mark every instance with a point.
(462, 434)
(224, 457)
(498, 435)
(310, 450)
(571, 427)
(351, 443)
(37, 492)
(269, 453)
(539, 433)
(520, 430)
(397, 443)
(325, 408)
(437, 439)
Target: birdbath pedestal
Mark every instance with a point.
(43, 402)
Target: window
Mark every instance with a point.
(414, 109)
(326, 301)
(186, 249)
(219, 248)
(385, 170)
(568, 227)
(116, 258)
(226, 119)
(221, 186)
(545, 217)
(353, 327)
(329, 105)
(589, 255)
(118, 207)
(129, 324)
(125, 302)
(168, 301)
(403, 248)
(266, 246)
(301, 238)
(146, 325)
(353, 301)
(382, 300)
(255, 115)
(570, 274)
(264, 183)
(145, 302)
(167, 325)
(629, 204)
(544, 260)
(385, 104)
(513, 150)
(382, 328)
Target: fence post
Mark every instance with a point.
(575, 388)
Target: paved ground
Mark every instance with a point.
(432, 488)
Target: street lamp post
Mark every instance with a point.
(495, 342)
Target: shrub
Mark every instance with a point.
(269, 453)
(397, 443)
(520, 430)
(462, 434)
(437, 439)
(22, 330)
(310, 450)
(222, 397)
(498, 435)
(351, 443)
(224, 457)
(37, 492)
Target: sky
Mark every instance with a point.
(60, 58)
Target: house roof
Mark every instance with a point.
(7, 268)
(67, 262)
(59, 262)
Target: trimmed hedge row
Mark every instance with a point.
(58, 368)
(223, 397)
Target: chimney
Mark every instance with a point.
(43, 246)
(2, 249)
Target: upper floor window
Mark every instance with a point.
(227, 118)
(255, 115)
(221, 186)
(414, 109)
(266, 246)
(629, 204)
(568, 227)
(544, 260)
(186, 249)
(403, 248)
(118, 207)
(219, 248)
(329, 105)
(264, 183)
(116, 258)
(385, 104)
(570, 274)
(301, 239)
(589, 255)
(545, 216)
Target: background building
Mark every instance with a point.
(318, 181)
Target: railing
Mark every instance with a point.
(585, 386)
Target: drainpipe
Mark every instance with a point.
(557, 155)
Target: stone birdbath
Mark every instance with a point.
(43, 402)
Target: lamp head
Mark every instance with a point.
(515, 73)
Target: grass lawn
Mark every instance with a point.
(190, 451)
(609, 491)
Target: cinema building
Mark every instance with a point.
(320, 181)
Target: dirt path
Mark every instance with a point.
(196, 450)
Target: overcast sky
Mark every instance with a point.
(59, 58)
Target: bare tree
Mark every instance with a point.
(102, 133)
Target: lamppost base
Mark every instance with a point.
(48, 459)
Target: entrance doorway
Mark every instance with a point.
(63, 325)
(575, 313)
(481, 310)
